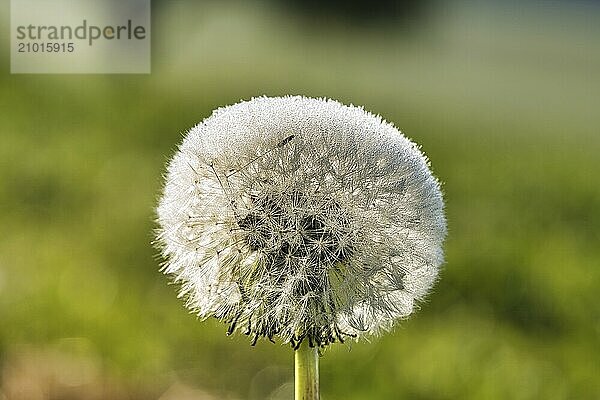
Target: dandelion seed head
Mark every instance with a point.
(300, 218)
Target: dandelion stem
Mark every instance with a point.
(307, 372)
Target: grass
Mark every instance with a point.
(515, 314)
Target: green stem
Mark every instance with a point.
(307, 372)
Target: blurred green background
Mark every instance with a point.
(504, 97)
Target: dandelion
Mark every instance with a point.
(302, 220)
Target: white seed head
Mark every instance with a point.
(301, 218)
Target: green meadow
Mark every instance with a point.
(505, 103)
